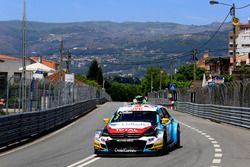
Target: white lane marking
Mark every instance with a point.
(217, 150)
(217, 155)
(216, 161)
(89, 162)
(83, 160)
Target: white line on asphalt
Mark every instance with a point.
(89, 162)
(217, 150)
(216, 161)
(40, 140)
(81, 161)
(217, 155)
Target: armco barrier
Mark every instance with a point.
(239, 116)
(16, 127)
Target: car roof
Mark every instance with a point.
(139, 107)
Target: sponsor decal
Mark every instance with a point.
(127, 130)
(125, 150)
(128, 127)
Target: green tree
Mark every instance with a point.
(185, 73)
(154, 74)
(95, 72)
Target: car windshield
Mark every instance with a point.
(135, 116)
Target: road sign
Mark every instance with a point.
(172, 86)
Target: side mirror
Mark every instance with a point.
(164, 120)
(106, 120)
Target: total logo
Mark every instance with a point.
(129, 130)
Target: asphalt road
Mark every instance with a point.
(204, 144)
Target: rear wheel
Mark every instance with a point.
(178, 140)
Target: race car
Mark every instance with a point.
(140, 128)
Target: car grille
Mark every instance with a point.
(125, 135)
(136, 145)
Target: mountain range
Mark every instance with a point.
(113, 39)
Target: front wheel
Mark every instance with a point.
(165, 146)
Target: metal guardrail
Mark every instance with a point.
(239, 116)
(17, 127)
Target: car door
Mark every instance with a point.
(168, 124)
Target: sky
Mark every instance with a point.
(197, 12)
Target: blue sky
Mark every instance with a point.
(196, 12)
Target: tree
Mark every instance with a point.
(95, 72)
(185, 73)
(154, 74)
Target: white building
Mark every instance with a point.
(243, 40)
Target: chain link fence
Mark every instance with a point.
(236, 93)
(41, 95)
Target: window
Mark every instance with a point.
(135, 116)
(17, 76)
(3, 81)
(164, 110)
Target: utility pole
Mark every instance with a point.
(232, 12)
(194, 61)
(61, 60)
(24, 58)
(68, 62)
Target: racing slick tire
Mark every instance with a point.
(164, 149)
(178, 139)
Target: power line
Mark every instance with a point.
(215, 33)
(243, 6)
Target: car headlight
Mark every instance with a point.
(98, 134)
(160, 133)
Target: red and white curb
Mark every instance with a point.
(217, 149)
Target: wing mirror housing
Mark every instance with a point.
(164, 120)
(106, 120)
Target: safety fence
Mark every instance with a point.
(40, 95)
(236, 93)
(228, 102)
(17, 127)
(239, 116)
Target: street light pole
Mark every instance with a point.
(161, 72)
(24, 58)
(151, 81)
(194, 61)
(235, 21)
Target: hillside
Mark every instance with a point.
(126, 42)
